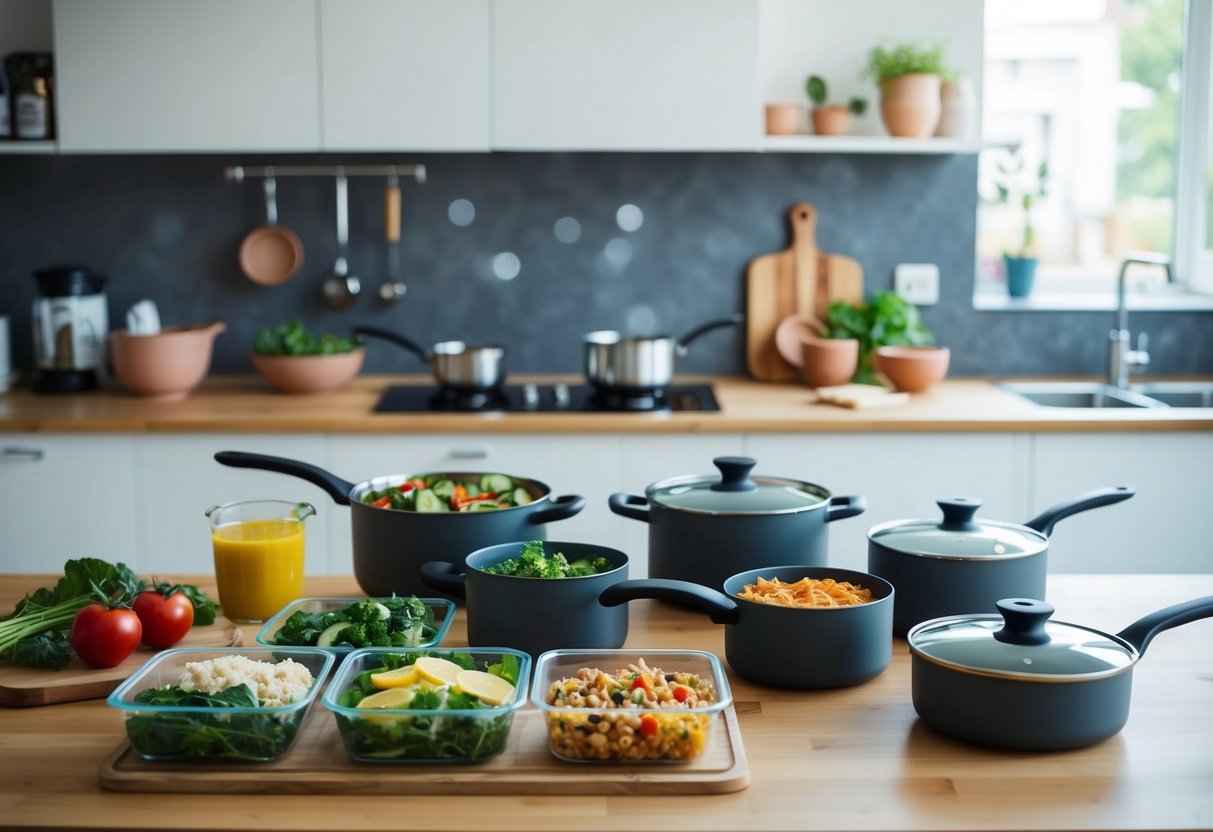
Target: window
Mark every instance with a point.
(1111, 96)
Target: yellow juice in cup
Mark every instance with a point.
(258, 566)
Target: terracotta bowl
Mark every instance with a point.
(912, 369)
(165, 366)
(829, 362)
(309, 373)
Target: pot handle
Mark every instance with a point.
(1045, 521)
(1143, 630)
(364, 332)
(563, 507)
(336, 487)
(720, 608)
(844, 507)
(681, 343)
(444, 576)
(629, 505)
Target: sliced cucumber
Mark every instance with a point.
(429, 500)
(472, 489)
(443, 488)
(521, 497)
(384, 612)
(497, 483)
(329, 635)
(483, 505)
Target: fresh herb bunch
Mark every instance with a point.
(887, 319)
(291, 338)
(428, 736)
(232, 736)
(533, 562)
(407, 623)
(888, 62)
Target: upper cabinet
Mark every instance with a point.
(626, 75)
(149, 75)
(405, 74)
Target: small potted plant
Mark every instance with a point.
(1020, 187)
(887, 319)
(909, 77)
(831, 119)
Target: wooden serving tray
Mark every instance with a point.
(22, 687)
(318, 764)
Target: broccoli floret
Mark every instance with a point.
(365, 612)
(377, 633)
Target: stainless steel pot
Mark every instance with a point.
(456, 365)
(618, 363)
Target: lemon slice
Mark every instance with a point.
(489, 689)
(391, 698)
(398, 678)
(438, 671)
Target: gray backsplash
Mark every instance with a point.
(168, 228)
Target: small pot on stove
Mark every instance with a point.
(632, 368)
(459, 368)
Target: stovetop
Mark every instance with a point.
(545, 398)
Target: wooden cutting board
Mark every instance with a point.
(798, 280)
(318, 764)
(22, 687)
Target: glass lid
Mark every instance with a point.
(958, 535)
(735, 492)
(1019, 641)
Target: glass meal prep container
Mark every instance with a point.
(432, 718)
(442, 612)
(199, 730)
(630, 706)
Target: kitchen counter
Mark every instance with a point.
(226, 404)
(854, 759)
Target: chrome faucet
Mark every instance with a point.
(1121, 358)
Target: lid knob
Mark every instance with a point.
(958, 514)
(735, 473)
(1024, 621)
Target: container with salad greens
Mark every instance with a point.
(451, 492)
(340, 625)
(428, 706)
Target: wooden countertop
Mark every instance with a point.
(229, 404)
(853, 759)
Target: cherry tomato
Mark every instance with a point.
(648, 725)
(680, 693)
(103, 637)
(166, 615)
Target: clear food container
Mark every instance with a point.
(162, 730)
(613, 717)
(433, 729)
(443, 612)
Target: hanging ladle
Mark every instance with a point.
(341, 287)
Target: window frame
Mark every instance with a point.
(1193, 261)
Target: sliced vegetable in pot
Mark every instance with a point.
(441, 493)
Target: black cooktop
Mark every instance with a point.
(546, 398)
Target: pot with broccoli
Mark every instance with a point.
(537, 596)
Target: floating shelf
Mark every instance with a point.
(17, 146)
(871, 144)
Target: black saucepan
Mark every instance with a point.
(614, 362)
(456, 365)
(1016, 679)
(390, 545)
(959, 564)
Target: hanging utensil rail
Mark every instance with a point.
(239, 173)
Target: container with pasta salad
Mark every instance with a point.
(630, 706)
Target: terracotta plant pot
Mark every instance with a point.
(831, 121)
(828, 362)
(784, 119)
(168, 365)
(309, 373)
(910, 105)
(912, 369)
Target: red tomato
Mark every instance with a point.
(648, 725)
(680, 693)
(166, 616)
(103, 637)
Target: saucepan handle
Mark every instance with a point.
(562, 508)
(1143, 630)
(720, 608)
(629, 505)
(681, 343)
(1045, 521)
(336, 487)
(364, 332)
(445, 577)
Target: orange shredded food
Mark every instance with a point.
(807, 592)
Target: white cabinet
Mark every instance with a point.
(405, 74)
(150, 75)
(1163, 528)
(65, 496)
(626, 75)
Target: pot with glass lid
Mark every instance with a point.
(705, 528)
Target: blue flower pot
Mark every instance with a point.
(1021, 274)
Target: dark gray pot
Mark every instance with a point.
(535, 614)
(784, 646)
(1036, 712)
(932, 583)
(390, 546)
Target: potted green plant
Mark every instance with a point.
(1021, 187)
(909, 77)
(831, 119)
(887, 319)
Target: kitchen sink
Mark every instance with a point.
(1079, 394)
(1178, 393)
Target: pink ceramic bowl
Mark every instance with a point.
(309, 373)
(912, 369)
(165, 366)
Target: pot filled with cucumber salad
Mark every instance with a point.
(401, 521)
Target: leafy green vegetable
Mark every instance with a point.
(507, 668)
(409, 622)
(291, 338)
(887, 319)
(533, 562)
(887, 62)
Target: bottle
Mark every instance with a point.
(32, 81)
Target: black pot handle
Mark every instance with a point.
(630, 505)
(958, 514)
(681, 343)
(444, 576)
(1045, 521)
(562, 508)
(844, 507)
(735, 473)
(364, 332)
(1023, 621)
(336, 487)
(1143, 630)
(720, 608)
